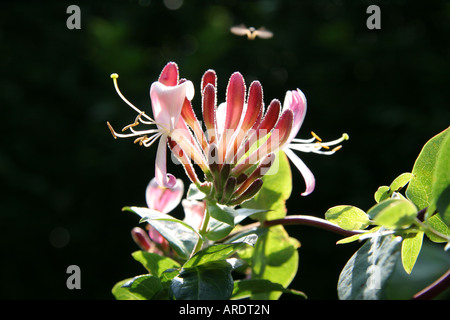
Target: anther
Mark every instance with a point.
(111, 129)
(316, 136)
(337, 148)
(130, 126)
(140, 140)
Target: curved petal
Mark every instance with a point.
(168, 101)
(296, 101)
(169, 74)
(163, 199)
(163, 178)
(308, 176)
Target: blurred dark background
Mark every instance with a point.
(65, 179)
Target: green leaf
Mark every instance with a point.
(213, 253)
(420, 190)
(275, 258)
(382, 193)
(366, 273)
(393, 213)
(437, 224)
(385, 192)
(180, 235)
(276, 189)
(154, 263)
(194, 193)
(143, 287)
(121, 293)
(411, 246)
(441, 179)
(400, 182)
(357, 237)
(208, 281)
(220, 212)
(348, 217)
(224, 219)
(246, 288)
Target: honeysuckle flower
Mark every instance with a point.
(295, 101)
(241, 137)
(167, 95)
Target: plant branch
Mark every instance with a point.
(435, 288)
(312, 221)
(301, 220)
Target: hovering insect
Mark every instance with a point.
(251, 33)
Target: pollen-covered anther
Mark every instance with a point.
(316, 136)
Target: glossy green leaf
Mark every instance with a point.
(123, 293)
(348, 217)
(411, 246)
(393, 213)
(143, 287)
(420, 188)
(441, 179)
(366, 273)
(180, 235)
(208, 281)
(246, 288)
(154, 263)
(275, 258)
(276, 189)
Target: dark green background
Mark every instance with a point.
(60, 167)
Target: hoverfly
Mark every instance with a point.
(251, 33)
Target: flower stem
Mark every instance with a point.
(202, 231)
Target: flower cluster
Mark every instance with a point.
(239, 140)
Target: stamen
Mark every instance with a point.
(114, 76)
(152, 140)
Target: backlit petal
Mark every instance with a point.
(163, 199)
(163, 178)
(308, 176)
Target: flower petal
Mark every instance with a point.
(167, 102)
(194, 212)
(209, 111)
(308, 176)
(163, 199)
(162, 177)
(209, 77)
(235, 100)
(169, 75)
(296, 101)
